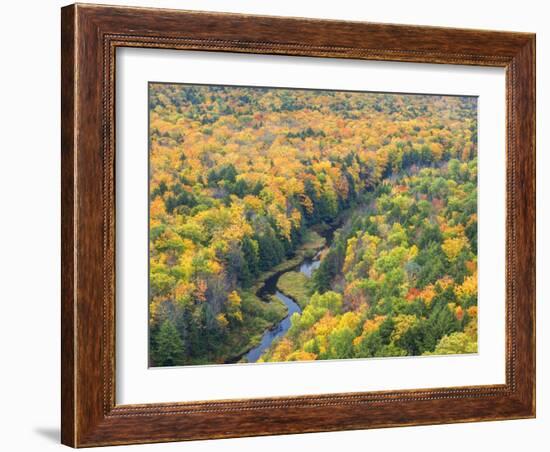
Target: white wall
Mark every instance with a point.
(29, 253)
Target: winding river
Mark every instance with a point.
(269, 288)
(307, 267)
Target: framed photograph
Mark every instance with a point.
(279, 225)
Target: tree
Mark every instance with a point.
(251, 256)
(168, 349)
(417, 339)
(270, 250)
(341, 343)
(234, 306)
(367, 346)
(454, 344)
(442, 320)
(452, 247)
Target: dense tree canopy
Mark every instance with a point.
(400, 277)
(239, 175)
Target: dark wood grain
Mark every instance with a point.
(90, 36)
(67, 225)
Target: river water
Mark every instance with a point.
(307, 267)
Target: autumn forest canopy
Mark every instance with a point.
(378, 192)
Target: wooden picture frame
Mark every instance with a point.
(90, 36)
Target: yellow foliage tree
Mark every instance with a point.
(452, 247)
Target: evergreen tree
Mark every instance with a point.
(169, 346)
(250, 255)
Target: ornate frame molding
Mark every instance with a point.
(90, 37)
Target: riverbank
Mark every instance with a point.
(259, 316)
(290, 281)
(295, 285)
(287, 284)
(313, 242)
(264, 310)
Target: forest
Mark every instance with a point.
(248, 183)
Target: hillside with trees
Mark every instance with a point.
(401, 277)
(244, 180)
